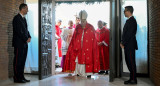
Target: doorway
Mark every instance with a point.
(140, 14)
(32, 21)
(96, 11)
(32, 65)
(46, 31)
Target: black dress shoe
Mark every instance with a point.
(130, 82)
(106, 72)
(101, 72)
(19, 81)
(77, 75)
(26, 80)
(89, 76)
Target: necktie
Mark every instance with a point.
(25, 21)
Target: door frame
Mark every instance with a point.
(138, 74)
(114, 49)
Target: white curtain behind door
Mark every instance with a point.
(31, 65)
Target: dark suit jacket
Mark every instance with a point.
(129, 34)
(20, 32)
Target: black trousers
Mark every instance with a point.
(20, 55)
(131, 63)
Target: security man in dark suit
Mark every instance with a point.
(129, 43)
(21, 38)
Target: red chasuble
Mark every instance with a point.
(103, 35)
(86, 49)
(58, 33)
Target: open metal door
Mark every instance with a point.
(112, 42)
(46, 39)
(114, 50)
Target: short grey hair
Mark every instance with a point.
(59, 20)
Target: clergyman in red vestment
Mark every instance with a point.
(77, 22)
(102, 36)
(58, 43)
(58, 36)
(82, 55)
